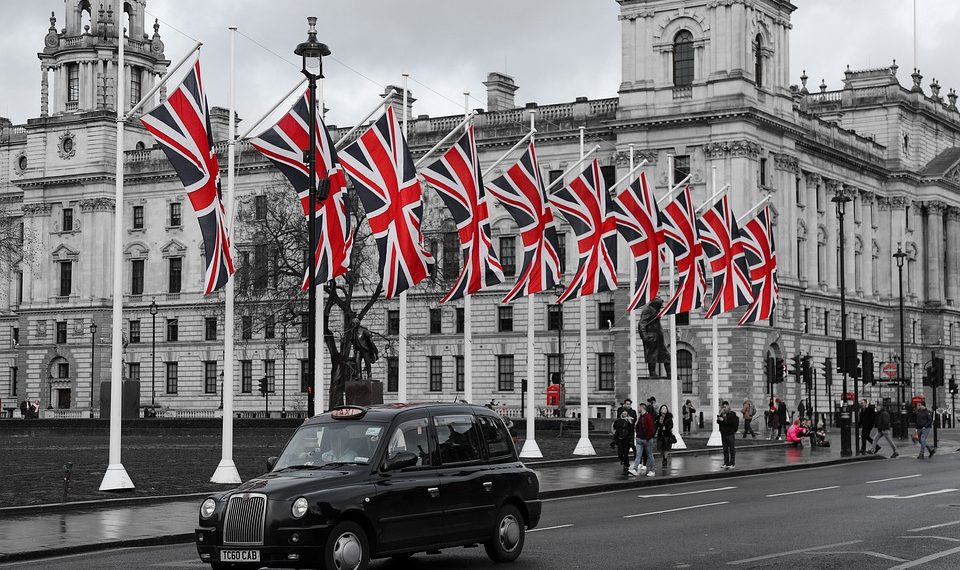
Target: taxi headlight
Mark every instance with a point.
(207, 508)
(299, 508)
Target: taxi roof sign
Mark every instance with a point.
(347, 412)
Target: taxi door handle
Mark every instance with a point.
(434, 491)
(487, 485)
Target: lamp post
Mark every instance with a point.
(93, 369)
(900, 256)
(841, 199)
(283, 372)
(153, 355)
(558, 289)
(312, 52)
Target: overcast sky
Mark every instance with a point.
(556, 49)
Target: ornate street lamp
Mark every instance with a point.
(93, 354)
(841, 199)
(558, 289)
(153, 355)
(900, 256)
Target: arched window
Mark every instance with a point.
(685, 370)
(683, 59)
(758, 60)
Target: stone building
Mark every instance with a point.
(707, 81)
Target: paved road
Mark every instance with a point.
(899, 513)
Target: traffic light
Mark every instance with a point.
(795, 366)
(780, 369)
(847, 356)
(263, 386)
(953, 386)
(934, 377)
(806, 371)
(828, 371)
(867, 363)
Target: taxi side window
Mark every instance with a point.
(497, 438)
(411, 436)
(458, 438)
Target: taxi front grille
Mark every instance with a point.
(244, 521)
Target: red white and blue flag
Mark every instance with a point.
(520, 190)
(638, 220)
(681, 236)
(386, 181)
(587, 206)
(724, 252)
(761, 254)
(456, 177)
(182, 127)
(285, 144)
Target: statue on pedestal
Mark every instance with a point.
(651, 333)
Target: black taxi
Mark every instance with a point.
(358, 483)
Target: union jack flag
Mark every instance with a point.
(638, 220)
(681, 236)
(456, 176)
(586, 204)
(386, 181)
(182, 127)
(724, 252)
(285, 144)
(520, 190)
(761, 254)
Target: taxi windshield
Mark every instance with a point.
(331, 444)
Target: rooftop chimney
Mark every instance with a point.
(397, 102)
(500, 90)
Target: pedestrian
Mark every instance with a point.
(924, 422)
(627, 406)
(688, 412)
(623, 437)
(883, 430)
(645, 432)
(728, 421)
(748, 411)
(775, 425)
(652, 407)
(665, 436)
(782, 412)
(24, 407)
(868, 417)
(796, 433)
(801, 409)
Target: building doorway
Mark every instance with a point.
(63, 398)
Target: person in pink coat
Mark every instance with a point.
(795, 433)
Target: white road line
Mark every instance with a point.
(940, 492)
(687, 493)
(864, 552)
(788, 553)
(925, 559)
(804, 491)
(675, 510)
(941, 525)
(947, 538)
(549, 528)
(894, 479)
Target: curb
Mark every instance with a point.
(681, 453)
(99, 503)
(180, 538)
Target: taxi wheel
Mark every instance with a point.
(347, 548)
(508, 536)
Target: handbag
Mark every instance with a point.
(916, 436)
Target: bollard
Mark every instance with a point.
(66, 480)
(701, 420)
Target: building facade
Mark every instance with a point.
(705, 81)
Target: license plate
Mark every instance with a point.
(240, 555)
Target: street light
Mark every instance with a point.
(283, 372)
(841, 199)
(558, 289)
(93, 369)
(312, 52)
(900, 256)
(153, 355)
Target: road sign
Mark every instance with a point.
(889, 370)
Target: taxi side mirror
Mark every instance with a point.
(401, 460)
(271, 462)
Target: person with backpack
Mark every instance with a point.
(748, 412)
(646, 433)
(729, 423)
(883, 430)
(623, 437)
(924, 422)
(687, 413)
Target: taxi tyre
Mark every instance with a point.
(345, 541)
(508, 535)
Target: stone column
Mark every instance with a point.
(832, 225)
(933, 241)
(953, 256)
(44, 91)
(866, 234)
(849, 238)
(809, 189)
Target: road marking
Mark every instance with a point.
(894, 479)
(804, 491)
(550, 527)
(687, 493)
(677, 509)
(941, 525)
(788, 553)
(925, 559)
(940, 492)
(864, 552)
(947, 538)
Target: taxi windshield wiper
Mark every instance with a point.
(296, 467)
(339, 463)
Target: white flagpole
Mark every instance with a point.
(530, 448)
(749, 213)
(715, 349)
(318, 359)
(346, 137)
(402, 380)
(467, 319)
(116, 478)
(279, 102)
(509, 152)
(226, 471)
(674, 388)
(633, 319)
(584, 447)
(464, 124)
(571, 168)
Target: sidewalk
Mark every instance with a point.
(27, 535)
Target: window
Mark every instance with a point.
(758, 61)
(393, 373)
(436, 322)
(683, 59)
(681, 168)
(260, 267)
(806, 320)
(436, 373)
(554, 317)
(826, 323)
(432, 247)
(135, 85)
(243, 271)
(508, 255)
(15, 334)
(393, 321)
(246, 376)
(609, 174)
(138, 217)
(605, 316)
(171, 378)
(818, 192)
(175, 218)
(304, 374)
(606, 365)
(63, 370)
(460, 319)
(269, 374)
(246, 327)
(270, 326)
(797, 194)
(66, 278)
(13, 380)
(863, 327)
(134, 332)
(562, 250)
(505, 318)
(763, 172)
(210, 377)
(879, 330)
(260, 207)
(68, 219)
(176, 274)
(458, 361)
(685, 371)
(73, 82)
(173, 330)
(499, 442)
(906, 213)
(451, 255)
(61, 332)
(210, 328)
(913, 331)
(505, 373)
(136, 277)
(821, 260)
(411, 436)
(457, 438)
(134, 371)
(554, 364)
(553, 175)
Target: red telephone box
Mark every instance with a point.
(553, 395)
